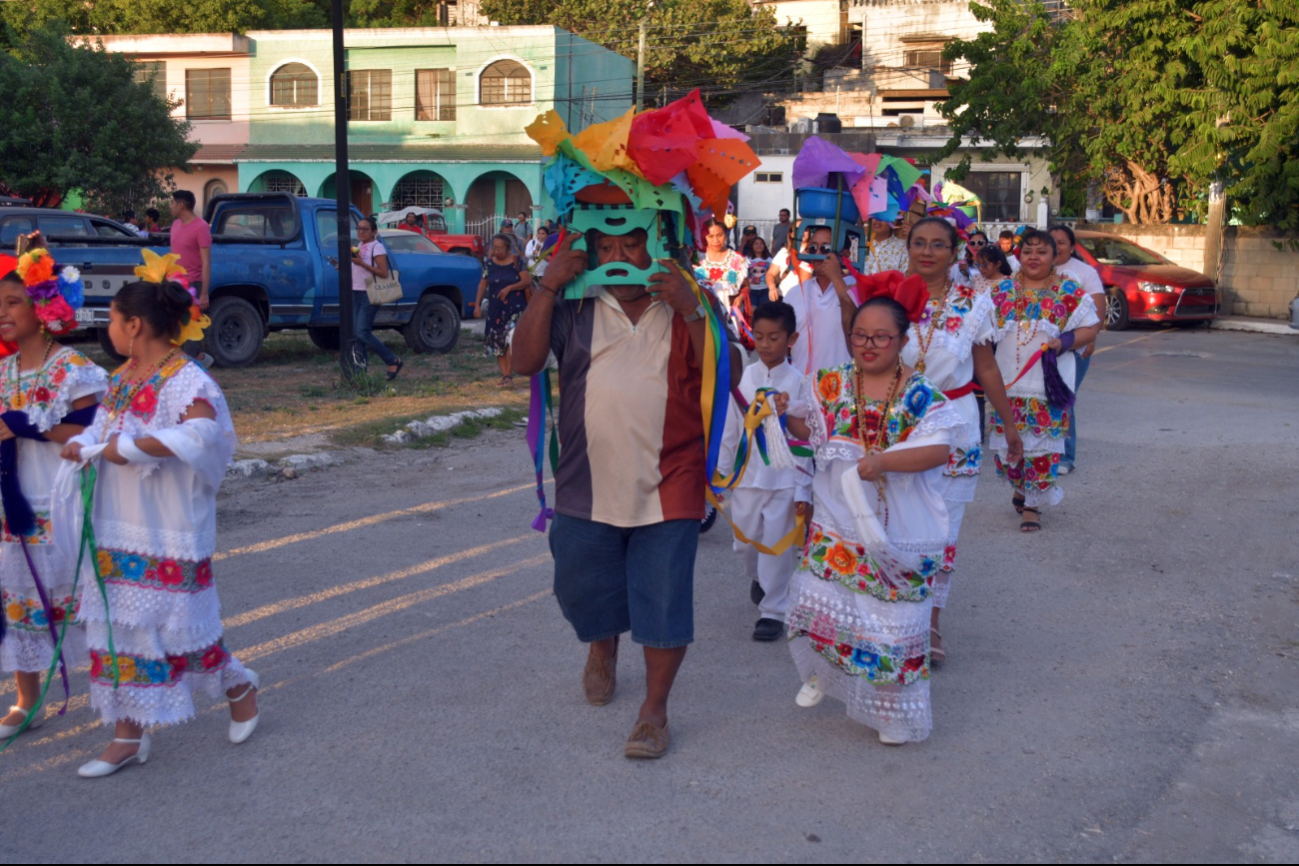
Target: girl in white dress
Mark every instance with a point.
(47, 395)
(859, 604)
(164, 438)
(1037, 309)
(951, 345)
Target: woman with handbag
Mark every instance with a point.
(369, 262)
(502, 296)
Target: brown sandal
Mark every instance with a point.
(600, 677)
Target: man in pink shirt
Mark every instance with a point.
(192, 241)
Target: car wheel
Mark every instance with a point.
(325, 338)
(1116, 310)
(106, 343)
(435, 327)
(235, 336)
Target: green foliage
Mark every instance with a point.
(108, 17)
(723, 47)
(1151, 99)
(77, 119)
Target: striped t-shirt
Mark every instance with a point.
(630, 425)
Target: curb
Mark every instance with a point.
(437, 424)
(1255, 326)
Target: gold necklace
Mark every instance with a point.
(925, 339)
(25, 400)
(121, 405)
(876, 442)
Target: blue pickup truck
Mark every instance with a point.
(274, 266)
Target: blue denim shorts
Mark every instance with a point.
(609, 580)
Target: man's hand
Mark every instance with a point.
(773, 295)
(565, 265)
(204, 300)
(870, 467)
(671, 288)
(829, 268)
(1014, 445)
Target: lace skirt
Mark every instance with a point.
(870, 654)
(28, 644)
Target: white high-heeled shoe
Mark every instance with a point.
(810, 694)
(240, 731)
(7, 731)
(98, 768)
(889, 741)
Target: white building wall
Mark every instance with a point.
(885, 22)
(760, 203)
(821, 17)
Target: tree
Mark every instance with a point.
(1150, 99)
(78, 120)
(109, 17)
(723, 47)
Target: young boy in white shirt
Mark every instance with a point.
(765, 502)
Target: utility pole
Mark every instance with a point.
(343, 198)
(1213, 231)
(640, 64)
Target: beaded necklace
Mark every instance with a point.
(25, 400)
(875, 440)
(925, 339)
(122, 402)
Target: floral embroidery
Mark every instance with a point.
(845, 562)
(149, 572)
(964, 461)
(144, 403)
(1035, 416)
(42, 387)
(857, 654)
(1031, 473)
(1054, 304)
(134, 670)
(40, 533)
(28, 614)
(949, 557)
(838, 405)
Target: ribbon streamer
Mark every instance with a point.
(795, 536)
(539, 408)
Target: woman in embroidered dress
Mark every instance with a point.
(860, 602)
(990, 269)
(165, 436)
(951, 345)
(726, 272)
(1037, 309)
(47, 395)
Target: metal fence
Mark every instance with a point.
(485, 228)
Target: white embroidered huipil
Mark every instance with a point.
(762, 504)
(889, 254)
(155, 524)
(860, 602)
(46, 396)
(821, 343)
(947, 337)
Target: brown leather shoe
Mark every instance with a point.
(600, 677)
(647, 741)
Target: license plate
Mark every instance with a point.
(85, 315)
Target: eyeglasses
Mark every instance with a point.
(976, 243)
(823, 249)
(878, 341)
(936, 246)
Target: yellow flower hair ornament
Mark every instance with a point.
(194, 328)
(160, 269)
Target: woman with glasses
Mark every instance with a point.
(990, 268)
(951, 346)
(965, 267)
(1038, 310)
(860, 602)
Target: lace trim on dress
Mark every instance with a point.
(64, 379)
(197, 544)
(977, 317)
(33, 653)
(169, 622)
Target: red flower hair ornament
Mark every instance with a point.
(911, 292)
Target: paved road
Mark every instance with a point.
(1121, 686)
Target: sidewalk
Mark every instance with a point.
(1257, 326)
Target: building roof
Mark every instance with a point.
(360, 152)
(218, 153)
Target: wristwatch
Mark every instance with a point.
(699, 313)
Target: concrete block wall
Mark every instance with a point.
(1255, 277)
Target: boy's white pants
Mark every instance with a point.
(766, 516)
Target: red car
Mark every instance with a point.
(1143, 286)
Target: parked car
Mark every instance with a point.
(274, 266)
(401, 241)
(1143, 286)
(434, 227)
(20, 219)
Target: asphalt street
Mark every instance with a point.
(1121, 686)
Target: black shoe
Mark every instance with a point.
(756, 593)
(768, 629)
(392, 374)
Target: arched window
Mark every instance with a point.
(282, 181)
(505, 82)
(294, 85)
(213, 188)
(424, 189)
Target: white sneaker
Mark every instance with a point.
(810, 694)
(1064, 469)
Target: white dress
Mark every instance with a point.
(46, 396)
(860, 602)
(946, 337)
(1024, 321)
(155, 525)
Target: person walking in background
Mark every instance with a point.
(191, 240)
(1037, 309)
(758, 256)
(152, 221)
(888, 251)
(782, 233)
(822, 305)
(535, 246)
(370, 260)
(521, 233)
(502, 296)
(1070, 265)
(1006, 240)
(766, 501)
(859, 605)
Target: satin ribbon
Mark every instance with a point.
(88, 478)
(539, 408)
(795, 536)
(958, 393)
(1032, 359)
